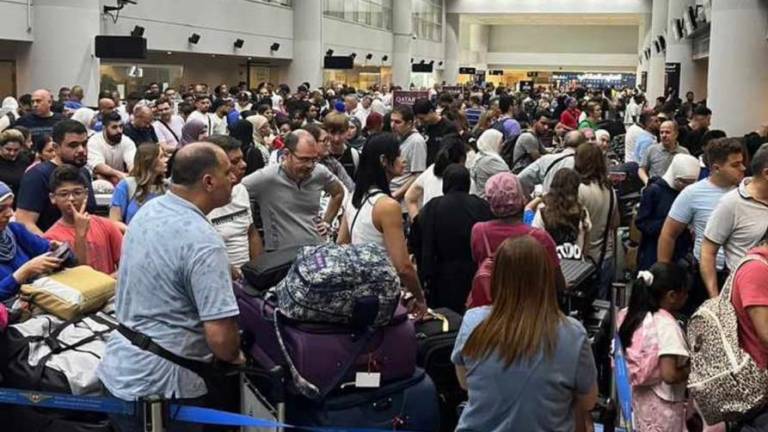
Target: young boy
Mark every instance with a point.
(96, 240)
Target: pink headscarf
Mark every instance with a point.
(505, 195)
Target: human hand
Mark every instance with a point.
(37, 266)
(82, 220)
(323, 228)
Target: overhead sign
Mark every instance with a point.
(401, 97)
(467, 71)
(532, 74)
(496, 72)
(453, 90)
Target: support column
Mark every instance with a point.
(62, 55)
(307, 63)
(680, 51)
(738, 59)
(657, 64)
(478, 45)
(642, 36)
(402, 29)
(451, 72)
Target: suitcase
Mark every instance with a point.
(319, 352)
(268, 269)
(410, 404)
(436, 338)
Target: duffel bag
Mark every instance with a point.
(71, 292)
(409, 404)
(328, 282)
(320, 353)
(46, 353)
(268, 269)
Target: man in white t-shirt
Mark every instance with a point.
(201, 114)
(220, 109)
(168, 125)
(110, 153)
(352, 109)
(234, 221)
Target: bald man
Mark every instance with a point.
(658, 157)
(106, 106)
(175, 286)
(140, 129)
(41, 120)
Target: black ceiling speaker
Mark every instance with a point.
(195, 38)
(239, 43)
(329, 53)
(385, 58)
(369, 56)
(138, 31)
(274, 47)
(353, 55)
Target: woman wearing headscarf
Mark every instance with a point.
(655, 204)
(23, 255)
(488, 161)
(506, 197)
(261, 131)
(193, 131)
(9, 113)
(446, 266)
(85, 116)
(355, 137)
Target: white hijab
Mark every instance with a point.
(682, 166)
(490, 142)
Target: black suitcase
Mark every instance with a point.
(435, 338)
(268, 269)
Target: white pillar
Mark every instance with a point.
(62, 55)
(307, 63)
(402, 29)
(478, 45)
(656, 66)
(642, 34)
(451, 71)
(680, 51)
(738, 59)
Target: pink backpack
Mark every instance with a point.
(643, 355)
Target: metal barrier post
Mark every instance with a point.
(154, 414)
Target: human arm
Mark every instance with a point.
(400, 193)
(646, 221)
(82, 227)
(759, 317)
(29, 219)
(671, 230)
(336, 191)
(119, 205)
(707, 266)
(223, 338)
(643, 174)
(116, 216)
(461, 374)
(413, 197)
(255, 245)
(672, 371)
(345, 237)
(717, 233)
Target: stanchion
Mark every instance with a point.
(154, 410)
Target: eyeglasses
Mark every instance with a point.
(77, 193)
(305, 159)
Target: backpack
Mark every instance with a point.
(642, 356)
(480, 295)
(725, 381)
(618, 146)
(329, 283)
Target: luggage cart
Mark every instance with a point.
(262, 396)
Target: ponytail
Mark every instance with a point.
(647, 291)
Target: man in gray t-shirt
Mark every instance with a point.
(174, 286)
(413, 149)
(528, 147)
(658, 157)
(289, 193)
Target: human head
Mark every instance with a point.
(193, 131)
(424, 112)
(113, 128)
(725, 158)
(702, 117)
(490, 141)
(266, 111)
(303, 154)
(506, 104)
(203, 170)
(350, 102)
(541, 123)
(523, 321)
(594, 110)
(69, 189)
(650, 121)
(603, 139)
(164, 109)
(221, 106)
(759, 163)
(668, 133)
(44, 148)
(42, 102)
(202, 103)
(337, 125)
(452, 151)
(401, 120)
(689, 97)
(505, 195)
(380, 162)
(77, 93)
(150, 164)
(374, 123)
(6, 205)
(367, 100)
(590, 164)
(261, 128)
(355, 128)
(142, 117)
(663, 284)
(682, 172)
(106, 106)
(70, 142)
(11, 144)
(233, 148)
(64, 93)
(456, 179)
(574, 138)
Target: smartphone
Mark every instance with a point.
(61, 251)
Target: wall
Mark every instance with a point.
(14, 19)
(337, 36)
(168, 24)
(563, 39)
(548, 6)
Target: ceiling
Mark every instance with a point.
(554, 19)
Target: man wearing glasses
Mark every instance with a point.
(289, 193)
(35, 209)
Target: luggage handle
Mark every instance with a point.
(438, 316)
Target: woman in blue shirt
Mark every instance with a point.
(145, 181)
(23, 255)
(525, 365)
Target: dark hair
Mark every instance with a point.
(218, 103)
(562, 212)
(422, 106)
(717, 147)
(66, 174)
(645, 117)
(505, 103)
(646, 298)
(702, 110)
(759, 160)
(452, 150)
(66, 126)
(40, 141)
(189, 166)
(24, 131)
(200, 97)
(591, 166)
(163, 100)
(225, 142)
(186, 108)
(405, 111)
(315, 130)
(261, 109)
(112, 117)
(370, 172)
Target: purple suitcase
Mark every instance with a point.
(319, 351)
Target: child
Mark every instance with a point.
(656, 350)
(96, 240)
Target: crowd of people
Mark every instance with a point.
(477, 196)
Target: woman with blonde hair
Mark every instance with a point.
(145, 181)
(525, 365)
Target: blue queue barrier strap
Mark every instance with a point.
(67, 402)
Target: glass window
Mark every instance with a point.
(374, 13)
(428, 19)
(288, 3)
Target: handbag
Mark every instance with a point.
(72, 292)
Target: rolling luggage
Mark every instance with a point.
(408, 404)
(325, 355)
(436, 338)
(268, 269)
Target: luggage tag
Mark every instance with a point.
(369, 379)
